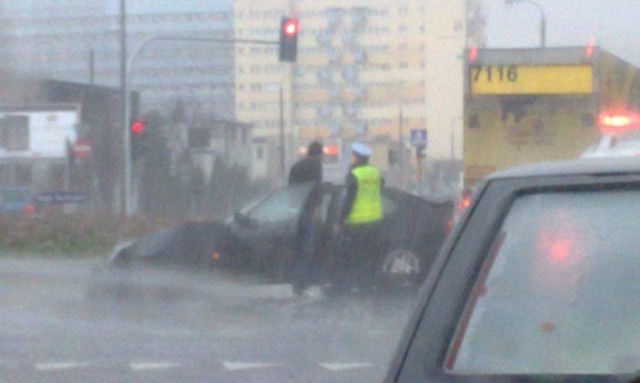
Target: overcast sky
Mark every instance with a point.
(615, 24)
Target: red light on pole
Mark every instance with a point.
(473, 54)
(591, 46)
(138, 127)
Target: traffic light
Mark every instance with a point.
(591, 47)
(289, 29)
(472, 54)
(138, 127)
(138, 137)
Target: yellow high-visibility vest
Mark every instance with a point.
(367, 206)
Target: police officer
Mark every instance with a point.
(359, 223)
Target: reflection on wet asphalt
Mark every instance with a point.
(186, 327)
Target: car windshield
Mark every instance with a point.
(557, 294)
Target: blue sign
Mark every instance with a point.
(419, 138)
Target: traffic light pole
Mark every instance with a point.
(283, 159)
(124, 100)
(126, 83)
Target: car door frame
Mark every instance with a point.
(421, 353)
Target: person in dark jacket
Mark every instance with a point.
(308, 169)
(358, 226)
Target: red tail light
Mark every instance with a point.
(464, 203)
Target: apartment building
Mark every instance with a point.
(366, 70)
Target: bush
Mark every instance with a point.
(74, 234)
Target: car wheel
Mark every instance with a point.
(401, 267)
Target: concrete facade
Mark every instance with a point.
(369, 71)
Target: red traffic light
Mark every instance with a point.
(138, 127)
(590, 47)
(473, 54)
(289, 30)
(291, 27)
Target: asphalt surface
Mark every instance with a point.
(187, 328)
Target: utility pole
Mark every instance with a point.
(124, 107)
(92, 66)
(283, 169)
(401, 159)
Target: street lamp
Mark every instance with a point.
(543, 19)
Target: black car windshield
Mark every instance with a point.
(559, 292)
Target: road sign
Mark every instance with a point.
(419, 138)
(82, 148)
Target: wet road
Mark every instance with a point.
(215, 328)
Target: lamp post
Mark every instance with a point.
(543, 19)
(124, 104)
